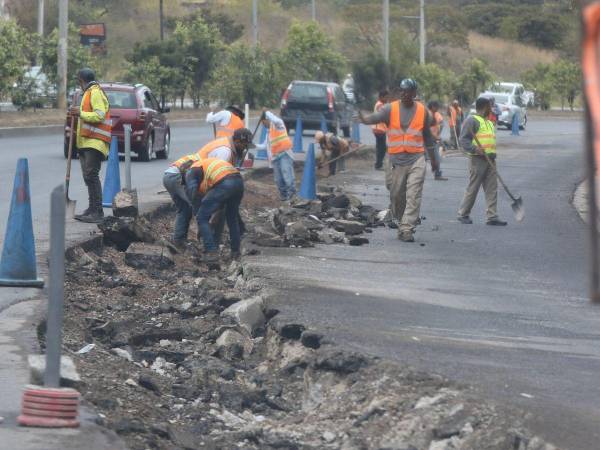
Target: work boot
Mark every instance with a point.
(464, 220)
(92, 217)
(406, 236)
(236, 255)
(496, 222)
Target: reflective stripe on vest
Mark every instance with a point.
(452, 117)
(185, 162)
(101, 130)
(486, 135)
(205, 151)
(411, 139)
(279, 139)
(214, 171)
(227, 130)
(379, 128)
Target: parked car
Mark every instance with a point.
(312, 100)
(33, 90)
(515, 89)
(134, 104)
(509, 105)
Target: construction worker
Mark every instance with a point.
(436, 132)
(379, 130)
(409, 135)
(478, 137)
(227, 149)
(453, 124)
(93, 140)
(279, 148)
(332, 147)
(226, 121)
(220, 185)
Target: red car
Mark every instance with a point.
(134, 104)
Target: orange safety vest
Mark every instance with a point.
(279, 139)
(205, 151)
(185, 162)
(100, 130)
(452, 117)
(379, 128)
(227, 130)
(214, 171)
(411, 139)
(436, 127)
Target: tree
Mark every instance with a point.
(565, 78)
(434, 82)
(476, 78)
(78, 56)
(537, 80)
(15, 54)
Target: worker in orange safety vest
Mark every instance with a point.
(226, 121)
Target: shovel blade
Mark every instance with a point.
(518, 209)
(70, 207)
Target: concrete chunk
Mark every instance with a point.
(247, 313)
(68, 372)
(148, 256)
(125, 204)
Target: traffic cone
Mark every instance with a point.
(515, 124)
(17, 265)
(356, 132)
(262, 154)
(298, 146)
(308, 187)
(323, 124)
(112, 180)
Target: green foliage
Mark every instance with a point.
(447, 26)
(434, 81)
(476, 77)
(78, 56)
(15, 53)
(560, 80)
(229, 29)
(309, 54)
(537, 80)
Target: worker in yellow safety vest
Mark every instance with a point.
(478, 136)
(279, 150)
(93, 140)
(226, 121)
(220, 185)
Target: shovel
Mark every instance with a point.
(517, 202)
(70, 204)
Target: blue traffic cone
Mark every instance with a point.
(262, 154)
(323, 124)
(298, 146)
(308, 187)
(355, 132)
(515, 124)
(18, 266)
(112, 180)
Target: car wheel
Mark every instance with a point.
(524, 124)
(145, 153)
(164, 154)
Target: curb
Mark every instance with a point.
(580, 200)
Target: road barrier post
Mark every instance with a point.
(515, 124)
(127, 129)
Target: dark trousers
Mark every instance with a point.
(380, 149)
(91, 160)
(228, 193)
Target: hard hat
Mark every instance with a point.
(86, 74)
(235, 109)
(243, 135)
(408, 84)
(319, 135)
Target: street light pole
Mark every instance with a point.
(386, 30)
(63, 17)
(255, 21)
(314, 10)
(422, 33)
(40, 24)
(162, 25)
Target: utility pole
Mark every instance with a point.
(2, 9)
(422, 33)
(162, 25)
(40, 27)
(314, 10)
(255, 22)
(63, 18)
(386, 30)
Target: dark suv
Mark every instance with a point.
(312, 100)
(136, 105)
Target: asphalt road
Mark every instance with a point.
(504, 309)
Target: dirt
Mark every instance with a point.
(170, 371)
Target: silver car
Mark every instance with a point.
(507, 106)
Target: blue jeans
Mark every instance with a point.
(283, 170)
(228, 193)
(174, 186)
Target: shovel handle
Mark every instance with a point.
(493, 166)
(69, 156)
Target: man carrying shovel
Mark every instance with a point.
(478, 139)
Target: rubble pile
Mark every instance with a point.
(189, 358)
(335, 217)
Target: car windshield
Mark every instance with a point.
(500, 98)
(308, 91)
(116, 99)
(504, 88)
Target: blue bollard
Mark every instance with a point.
(356, 132)
(515, 124)
(308, 187)
(298, 145)
(262, 154)
(18, 264)
(112, 180)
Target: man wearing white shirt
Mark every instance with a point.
(227, 120)
(279, 148)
